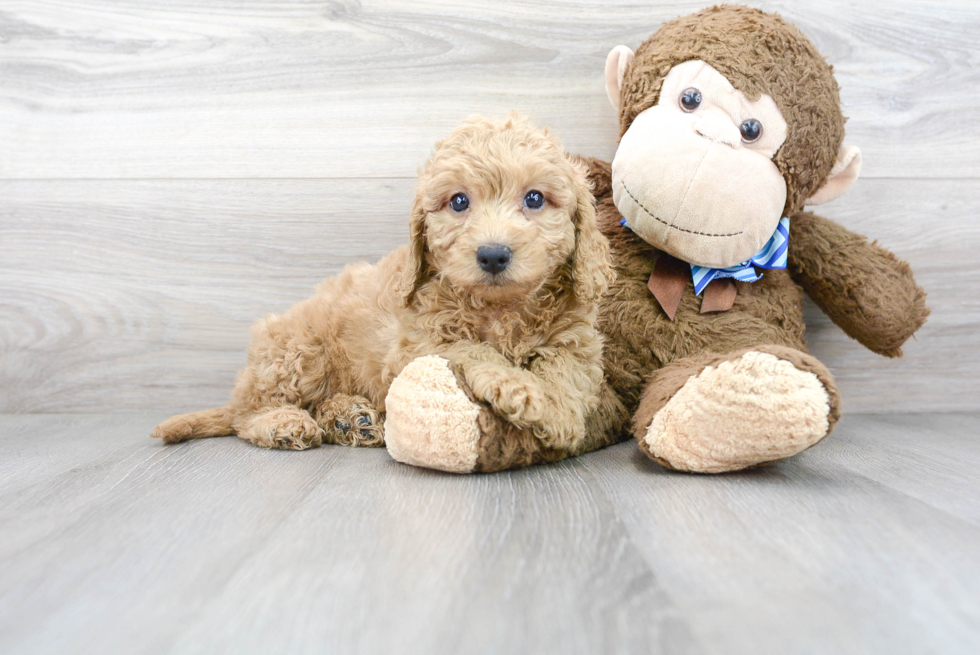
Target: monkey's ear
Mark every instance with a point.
(413, 275)
(616, 62)
(844, 173)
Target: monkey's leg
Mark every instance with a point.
(287, 427)
(433, 421)
(350, 421)
(714, 413)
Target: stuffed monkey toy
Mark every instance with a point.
(730, 123)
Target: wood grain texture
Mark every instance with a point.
(833, 547)
(123, 295)
(111, 542)
(137, 89)
(140, 294)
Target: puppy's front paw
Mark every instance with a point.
(430, 421)
(513, 393)
(517, 396)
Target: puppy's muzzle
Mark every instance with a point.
(494, 258)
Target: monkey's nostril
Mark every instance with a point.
(718, 129)
(493, 259)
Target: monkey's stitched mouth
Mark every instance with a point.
(673, 227)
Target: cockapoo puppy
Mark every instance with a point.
(498, 287)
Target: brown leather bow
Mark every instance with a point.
(669, 280)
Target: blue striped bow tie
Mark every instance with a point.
(772, 255)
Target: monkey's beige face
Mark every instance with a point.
(694, 174)
(499, 219)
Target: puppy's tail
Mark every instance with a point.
(218, 422)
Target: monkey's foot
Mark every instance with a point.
(724, 413)
(351, 421)
(430, 421)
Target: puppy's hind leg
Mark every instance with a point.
(287, 427)
(350, 421)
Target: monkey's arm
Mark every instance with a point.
(863, 288)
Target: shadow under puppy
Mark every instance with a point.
(493, 302)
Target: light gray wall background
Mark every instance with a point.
(171, 170)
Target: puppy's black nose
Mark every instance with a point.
(493, 259)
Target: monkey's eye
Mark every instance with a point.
(534, 200)
(459, 202)
(690, 99)
(751, 130)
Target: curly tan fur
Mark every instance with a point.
(523, 341)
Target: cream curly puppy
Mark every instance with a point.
(500, 280)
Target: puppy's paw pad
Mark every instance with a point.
(753, 409)
(358, 425)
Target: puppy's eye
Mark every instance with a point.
(751, 130)
(459, 202)
(534, 200)
(690, 99)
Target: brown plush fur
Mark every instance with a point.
(759, 53)
(524, 344)
(871, 296)
(865, 289)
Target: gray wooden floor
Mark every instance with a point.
(112, 543)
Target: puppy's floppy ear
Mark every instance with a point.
(413, 276)
(592, 270)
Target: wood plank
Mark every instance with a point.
(934, 226)
(130, 295)
(112, 542)
(922, 467)
(135, 89)
(31, 457)
(221, 545)
(110, 290)
(809, 555)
